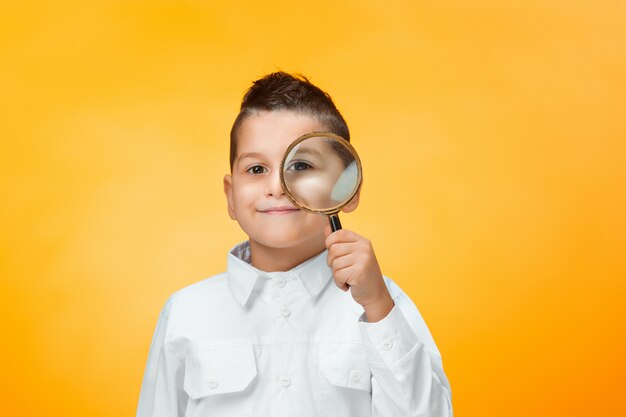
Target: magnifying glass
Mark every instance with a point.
(321, 173)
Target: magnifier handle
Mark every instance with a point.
(335, 224)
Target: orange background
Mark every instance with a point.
(493, 140)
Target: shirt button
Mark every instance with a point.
(285, 311)
(285, 381)
(280, 282)
(387, 344)
(355, 376)
(213, 383)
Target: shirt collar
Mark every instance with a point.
(243, 278)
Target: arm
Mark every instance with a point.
(407, 374)
(162, 392)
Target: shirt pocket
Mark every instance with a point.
(218, 380)
(345, 380)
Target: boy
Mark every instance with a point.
(303, 323)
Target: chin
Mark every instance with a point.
(284, 240)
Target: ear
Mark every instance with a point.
(228, 190)
(354, 203)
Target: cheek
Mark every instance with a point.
(335, 173)
(244, 194)
(315, 221)
(313, 190)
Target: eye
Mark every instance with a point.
(300, 166)
(256, 170)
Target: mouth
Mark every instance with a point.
(279, 210)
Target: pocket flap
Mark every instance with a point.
(346, 365)
(219, 371)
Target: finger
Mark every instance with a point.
(340, 284)
(342, 262)
(343, 235)
(340, 249)
(342, 277)
(343, 287)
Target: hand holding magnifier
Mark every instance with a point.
(321, 173)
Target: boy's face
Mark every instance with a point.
(254, 193)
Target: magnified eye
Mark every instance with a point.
(300, 166)
(256, 170)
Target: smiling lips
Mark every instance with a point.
(279, 210)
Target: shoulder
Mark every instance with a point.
(209, 284)
(211, 290)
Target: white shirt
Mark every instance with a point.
(289, 344)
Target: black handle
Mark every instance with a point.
(335, 224)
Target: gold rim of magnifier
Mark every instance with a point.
(334, 209)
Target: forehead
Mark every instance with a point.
(270, 133)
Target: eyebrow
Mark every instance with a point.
(305, 150)
(256, 155)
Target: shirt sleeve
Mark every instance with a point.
(407, 372)
(162, 393)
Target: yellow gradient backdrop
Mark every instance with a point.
(493, 139)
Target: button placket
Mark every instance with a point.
(280, 282)
(285, 311)
(285, 380)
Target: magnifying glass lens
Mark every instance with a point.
(321, 172)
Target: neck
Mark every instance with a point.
(270, 259)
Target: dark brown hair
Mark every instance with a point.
(292, 92)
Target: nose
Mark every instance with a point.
(274, 189)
